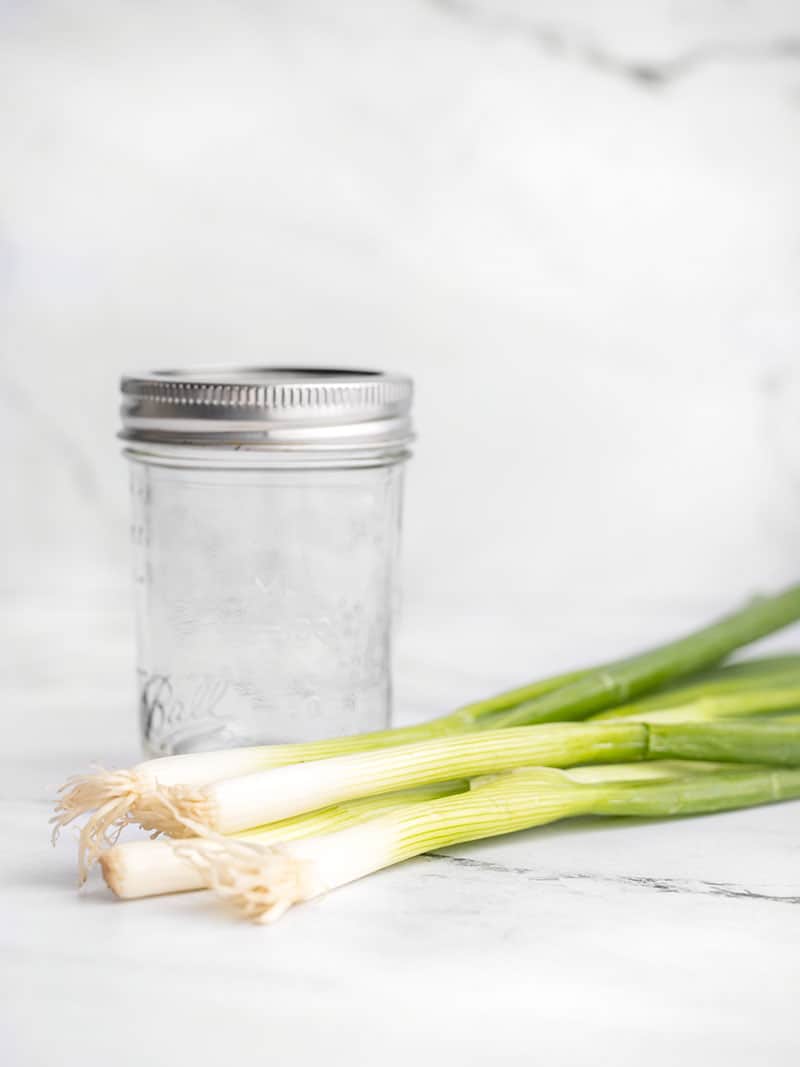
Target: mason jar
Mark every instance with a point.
(266, 511)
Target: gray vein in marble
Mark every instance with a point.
(660, 885)
(648, 74)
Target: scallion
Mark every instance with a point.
(236, 804)
(264, 882)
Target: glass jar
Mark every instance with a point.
(266, 521)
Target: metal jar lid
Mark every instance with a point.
(303, 414)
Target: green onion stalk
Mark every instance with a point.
(112, 799)
(763, 667)
(729, 694)
(624, 680)
(263, 883)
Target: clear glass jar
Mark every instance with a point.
(266, 524)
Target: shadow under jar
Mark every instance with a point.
(266, 509)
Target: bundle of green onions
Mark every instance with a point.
(311, 817)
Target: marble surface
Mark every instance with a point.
(576, 225)
(628, 941)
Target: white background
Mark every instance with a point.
(577, 226)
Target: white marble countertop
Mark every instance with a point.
(575, 225)
(674, 941)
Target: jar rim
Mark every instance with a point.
(279, 409)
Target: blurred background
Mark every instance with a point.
(576, 225)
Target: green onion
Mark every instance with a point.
(264, 882)
(236, 804)
(149, 868)
(112, 799)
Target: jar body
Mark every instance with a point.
(264, 601)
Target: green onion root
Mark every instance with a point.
(148, 868)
